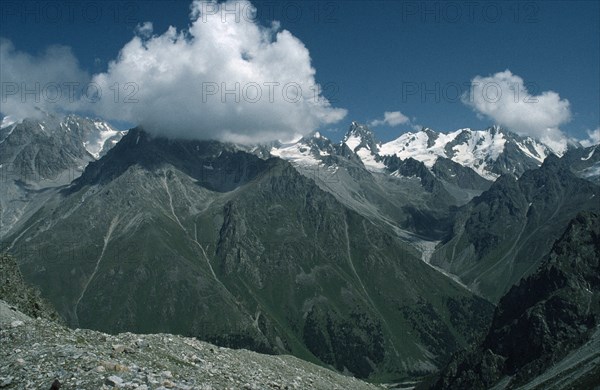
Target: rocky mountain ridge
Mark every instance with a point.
(243, 252)
(367, 263)
(503, 234)
(38, 155)
(545, 326)
(490, 152)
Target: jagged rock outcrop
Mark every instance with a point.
(16, 292)
(548, 315)
(505, 233)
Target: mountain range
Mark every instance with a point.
(490, 152)
(376, 259)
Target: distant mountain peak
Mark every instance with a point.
(360, 135)
(362, 141)
(495, 129)
(308, 150)
(79, 139)
(46, 152)
(359, 130)
(490, 152)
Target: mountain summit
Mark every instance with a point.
(490, 152)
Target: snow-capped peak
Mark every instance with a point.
(308, 150)
(476, 149)
(94, 135)
(357, 129)
(7, 121)
(425, 146)
(360, 136)
(489, 152)
(96, 143)
(361, 140)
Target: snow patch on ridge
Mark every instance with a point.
(589, 155)
(415, 145)
(296, 153)
(352, 142)
(369, 160)
(480, 149)
(96, 146)
(475, 149)
(7, 121)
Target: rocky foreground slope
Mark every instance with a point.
(35, 352)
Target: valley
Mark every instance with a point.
(363, 262)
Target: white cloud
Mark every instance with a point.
(390, 118)
(504, 97)
(225, 78)
(51, 81)
(593, 138)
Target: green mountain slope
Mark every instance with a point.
(198, 239)
(546, 326)
(504, 234)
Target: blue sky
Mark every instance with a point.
(374, 57)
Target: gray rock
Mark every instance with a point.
(5, 382)
(166, 362)
(114, 380)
